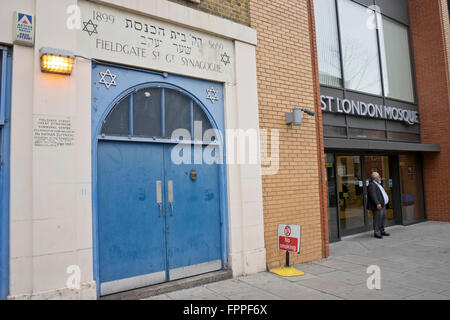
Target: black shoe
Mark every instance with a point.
(385, 234)
(378, 236)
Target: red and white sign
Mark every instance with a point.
(289, 237)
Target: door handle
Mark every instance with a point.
(159, 196)
(170, 191)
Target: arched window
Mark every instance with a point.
(156, 112)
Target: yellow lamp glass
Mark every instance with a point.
(56, 64)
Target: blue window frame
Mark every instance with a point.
(156, 112)
(3, 83)
(5, 99)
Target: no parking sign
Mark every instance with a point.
(289, 237)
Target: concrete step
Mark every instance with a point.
(171, 286)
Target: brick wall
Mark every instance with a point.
(287, 79)
(235, 10)
(431, 42)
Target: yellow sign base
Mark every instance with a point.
(287, 272)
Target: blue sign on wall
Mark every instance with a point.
(23, 29)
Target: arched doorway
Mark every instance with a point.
(159, 208)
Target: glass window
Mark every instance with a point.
(404, 136)
(147, 116)
(396, 60)
(117, 122)
(332, 131)
(177, 112)
(327, 43)
(366, 134)
(359, 48)
(350, 193)
(200, 116)
(332, 198)
(147, 113)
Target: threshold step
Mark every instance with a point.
(171, 286)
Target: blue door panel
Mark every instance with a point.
(194, 229)
(131, 239)
(131, 232)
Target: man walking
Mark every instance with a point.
(376, 201)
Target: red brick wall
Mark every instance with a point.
(431, 42)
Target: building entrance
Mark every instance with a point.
(159, 180)
(348, 179)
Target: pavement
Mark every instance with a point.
(414, 264)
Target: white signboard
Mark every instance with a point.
(289, 237)
(118, 36)
(53, 131)
(23, 29)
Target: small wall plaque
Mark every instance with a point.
(23, 29)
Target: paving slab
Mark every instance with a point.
(433, 274)
(446, 293)
(428, 296)
(357, 259)
(346, 277)
(338, 264)
(421, 283)
(313, 269)
(414, 263)
(306, 276)
(254, 295)
(386, 274)
(362, 294)
(398, 291)
(239, 290)
(283, 288)
(197, 293)
(333, 287)
(158, 297)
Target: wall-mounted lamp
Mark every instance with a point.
(296, 116)
(56, 60)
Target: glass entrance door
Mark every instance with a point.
(380, 164)
(350, 190)
(348, 177)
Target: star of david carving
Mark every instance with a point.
(90, 27)
(225, 58)
(212, 94)
(110, 83)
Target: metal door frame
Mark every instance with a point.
(96, 136)
(5, 115)
(365, 227)
(394, 173)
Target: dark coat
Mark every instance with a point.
(374, 196)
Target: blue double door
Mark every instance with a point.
(158, 220)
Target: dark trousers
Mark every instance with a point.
(379, 218)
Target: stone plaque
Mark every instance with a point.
(118, 36)
(53, 131)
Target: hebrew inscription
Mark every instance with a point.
(128, 38)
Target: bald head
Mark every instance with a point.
(375, 176)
